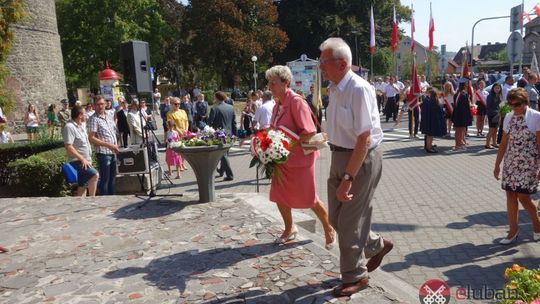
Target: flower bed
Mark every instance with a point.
(523, 284)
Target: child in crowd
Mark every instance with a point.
(172, 158)
(52, 120)
(5, 137)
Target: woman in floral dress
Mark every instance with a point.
(520, 148)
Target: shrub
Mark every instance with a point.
(11, 152)
(39, 175)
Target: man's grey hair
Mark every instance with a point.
(340, 49)
(281, 71)
(267, 95)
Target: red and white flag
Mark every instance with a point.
(466, 74)
(372, 33)
(394, 42)
(431, 28)
(412, 29)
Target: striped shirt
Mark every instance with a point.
(105, 130)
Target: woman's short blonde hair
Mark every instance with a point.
(281, 71)
(519, 94)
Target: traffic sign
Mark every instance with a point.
(515, 18)
(514, 47)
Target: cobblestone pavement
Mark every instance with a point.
(445, 212)
(117, 250)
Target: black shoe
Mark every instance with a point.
(220, 174)
(228, 178)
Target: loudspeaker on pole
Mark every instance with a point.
(135, 57)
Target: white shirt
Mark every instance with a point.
(423, 86)
(380, 86)
(264, 114)
(5, 137)
(506, 87)
(135, 129)
(532, 119)
(352, 110)
(390, 90)
(482, 93)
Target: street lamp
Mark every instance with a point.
(177, 47)
(254, 59)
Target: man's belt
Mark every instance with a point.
(335, 148)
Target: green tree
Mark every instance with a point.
(382, 61)
(225, 34)
(308, 23)
(92, 30)
(11, 12)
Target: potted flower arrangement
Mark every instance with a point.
(203, 150)
(205, 137)
(523, 285)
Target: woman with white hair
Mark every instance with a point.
(296, 187)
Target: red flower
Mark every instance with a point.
(261, 134)
(265, 143)
(285, 144)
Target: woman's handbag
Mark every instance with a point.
(318, 141)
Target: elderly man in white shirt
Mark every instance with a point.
(509, 84)
(354, 131)
(263, 114)
(136, 123)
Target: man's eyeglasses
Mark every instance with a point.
(325, 61)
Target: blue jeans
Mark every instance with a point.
(107, 173)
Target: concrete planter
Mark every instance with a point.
(204, 161)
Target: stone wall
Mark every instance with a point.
(35, 64)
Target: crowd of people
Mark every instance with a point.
(353, 124)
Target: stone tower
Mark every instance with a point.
(35, 63)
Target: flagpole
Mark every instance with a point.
(371, 67)
(396, 64)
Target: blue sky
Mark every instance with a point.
(454, 21)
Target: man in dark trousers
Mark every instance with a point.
(222, 117)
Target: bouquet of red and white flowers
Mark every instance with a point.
(270, 148)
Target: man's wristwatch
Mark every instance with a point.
(348, 177)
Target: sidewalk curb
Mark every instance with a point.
(394, 288)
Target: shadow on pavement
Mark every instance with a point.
(301, 294)
(491, 218)
(490, 277)
(174, 271)
(151, 209)
(379, 227)
(453, 255)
